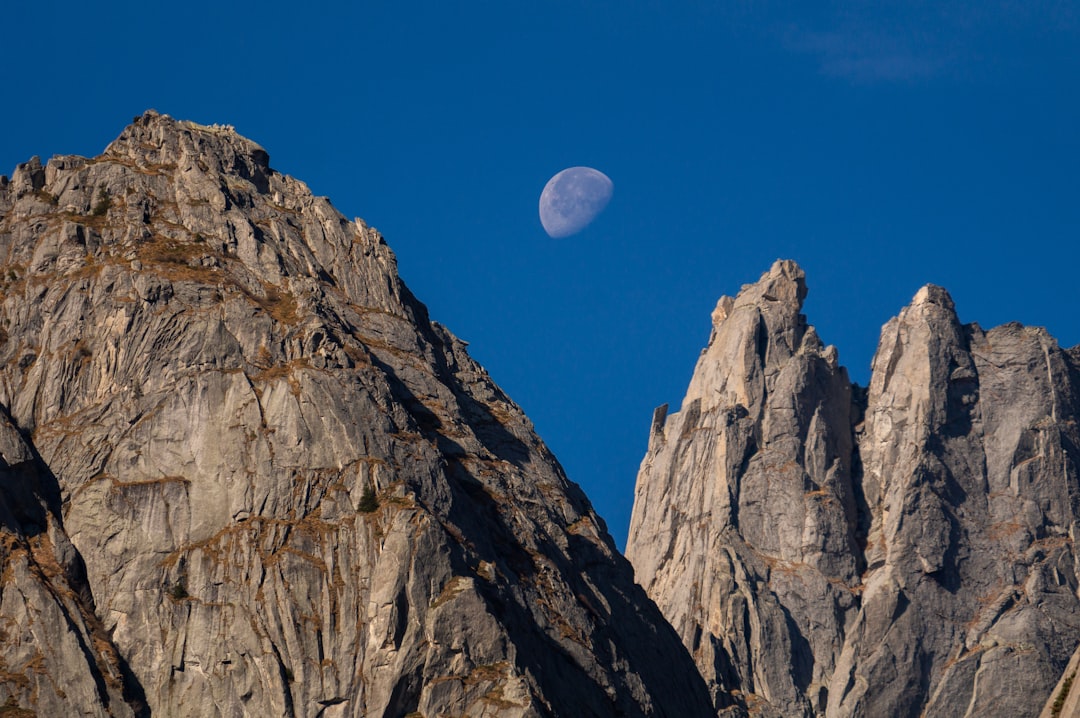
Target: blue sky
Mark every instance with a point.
(880, 145)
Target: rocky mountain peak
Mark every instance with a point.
(246, 474)
(766, 423)
(777, 296)
(153, 140)
(785, 282)
(764, 328)
(933, 294)
(907, 551)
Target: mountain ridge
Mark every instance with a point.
(899, 550)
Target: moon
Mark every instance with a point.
(572, 199)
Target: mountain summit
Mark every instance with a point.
(825, 550)
(244, 474)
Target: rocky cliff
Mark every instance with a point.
(245, 475)
(901, 550)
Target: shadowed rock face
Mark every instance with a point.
(246, 475)
(901, 550)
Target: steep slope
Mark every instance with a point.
(56, 653)
(293, 494)
(1064, 701)
(919, 562)
(743, 523)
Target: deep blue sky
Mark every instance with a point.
(881, 145)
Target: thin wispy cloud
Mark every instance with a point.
(869, 55)
(914, 41)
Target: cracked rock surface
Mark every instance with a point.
(906, 549)
(245, 475)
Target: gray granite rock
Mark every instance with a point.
(1064, 700)
(901, 551)
(970, 453)
(293, 493)
(744, 513)
(56, 654)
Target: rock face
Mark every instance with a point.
(902, 550)
(1064, 701)
(246, 475)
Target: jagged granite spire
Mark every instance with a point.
(919, 562)
(743, 527)
(246, 475)
(970, 451)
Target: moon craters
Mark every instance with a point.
(572, 199)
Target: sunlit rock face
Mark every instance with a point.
(246, 475)
(903, 550)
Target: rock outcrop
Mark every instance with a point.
(902, 550)
(246, 475)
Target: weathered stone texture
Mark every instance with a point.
(906, 552)
(1064, 701)
(293, 493)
